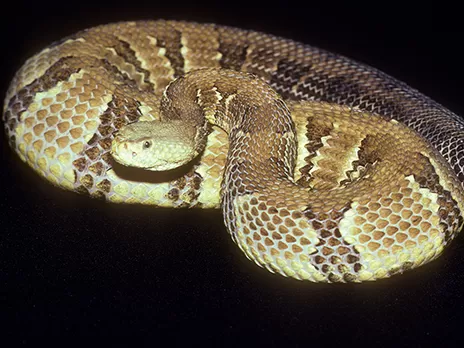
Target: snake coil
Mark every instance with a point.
(325, 169)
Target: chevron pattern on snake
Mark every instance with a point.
(325, 169)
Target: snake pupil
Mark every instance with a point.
(146, 144)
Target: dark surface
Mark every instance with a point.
(72, 265)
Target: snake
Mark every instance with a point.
(325, 169)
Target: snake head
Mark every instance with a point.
(154, 145)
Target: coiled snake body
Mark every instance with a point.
(325, 169)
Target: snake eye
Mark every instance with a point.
(147, 144)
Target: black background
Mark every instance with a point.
(72, 265)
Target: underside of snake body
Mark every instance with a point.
(325, 169)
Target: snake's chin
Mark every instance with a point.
(162, 166)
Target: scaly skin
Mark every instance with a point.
(313, 190)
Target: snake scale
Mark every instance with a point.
(325, 169)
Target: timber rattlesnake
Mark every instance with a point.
(335, 172)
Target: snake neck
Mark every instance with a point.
(262, 136)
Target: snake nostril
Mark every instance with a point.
(134, 154)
